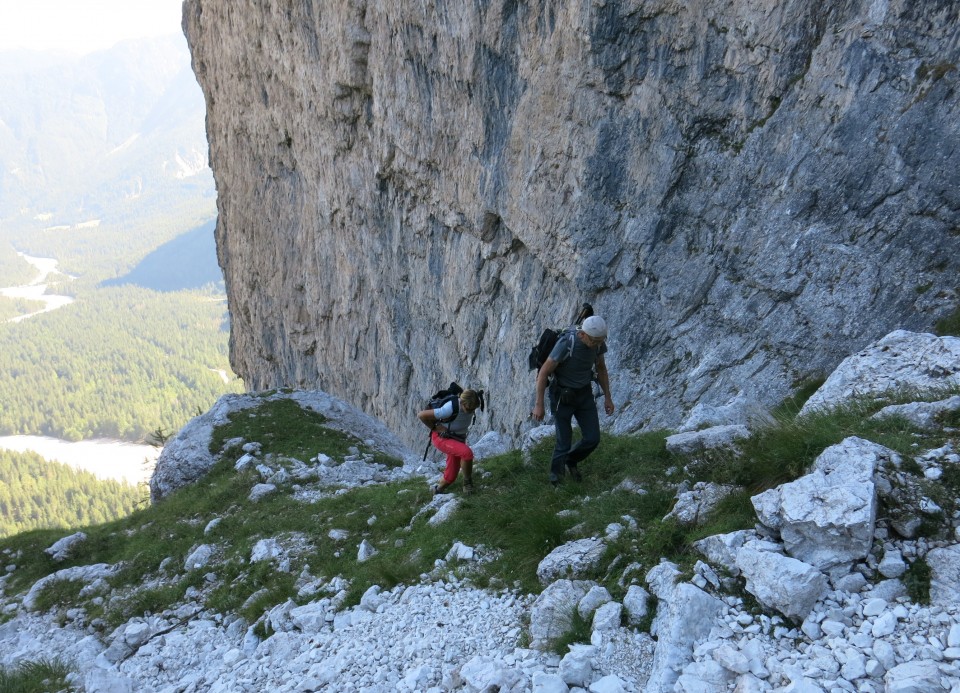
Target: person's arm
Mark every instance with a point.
(429, 420)
(604, 379)
(543, 375)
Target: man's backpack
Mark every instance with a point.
(549, 337)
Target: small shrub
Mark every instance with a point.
(579, 632)
(59, 593)
(950, 325)
(917, 581)
(951, 479)
(262, 629)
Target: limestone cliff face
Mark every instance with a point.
(410, 190)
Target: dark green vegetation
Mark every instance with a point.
(35, 494)
(513, 521)
(45, 676)
(116, 363)
(15, 307)
(917, 581)
(105, 173)
(14, 270)
(950, 325)
(124, 197)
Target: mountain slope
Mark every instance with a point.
(81, 138)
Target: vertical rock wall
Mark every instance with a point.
(410, 190)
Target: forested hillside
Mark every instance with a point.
(14, 270)
(107, 169)
(105, 173)
(119, 363)
(15, 307)
(36, 494)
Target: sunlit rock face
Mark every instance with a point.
(409, 191)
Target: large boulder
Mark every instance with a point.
(827, 517)
(944, 575)
(721, 549)
(575, 559)
(684, 617)
(63, 548)
(187, 456)
(779, 582)
(551, 615)
(900, 362)
(914, 677)
(716, 437)
(921, 414)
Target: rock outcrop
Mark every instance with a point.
(187, 456)
(409, 193)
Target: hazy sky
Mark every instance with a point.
(82, 26)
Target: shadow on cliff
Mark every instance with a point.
(189, 261)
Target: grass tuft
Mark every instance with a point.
(917, 581)
(42, 676)
(950, 325)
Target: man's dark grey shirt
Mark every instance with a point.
(575, 369)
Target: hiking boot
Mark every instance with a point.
(437, 489)
(468, 488)
(574, 472)
(554, 480)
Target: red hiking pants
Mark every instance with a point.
(456, 452)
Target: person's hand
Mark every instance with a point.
(608, 405)
(537, 412)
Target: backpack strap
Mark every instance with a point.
(570, 334)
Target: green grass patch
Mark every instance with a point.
(785, 450)
(59, 593)
(42, 676)
(285, 429)
(950, 325)
(917, 581)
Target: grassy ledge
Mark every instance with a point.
(513, 521)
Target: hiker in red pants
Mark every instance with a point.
(449, 425)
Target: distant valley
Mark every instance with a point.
(107, 203)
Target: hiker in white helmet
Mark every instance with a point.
(571, 394)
